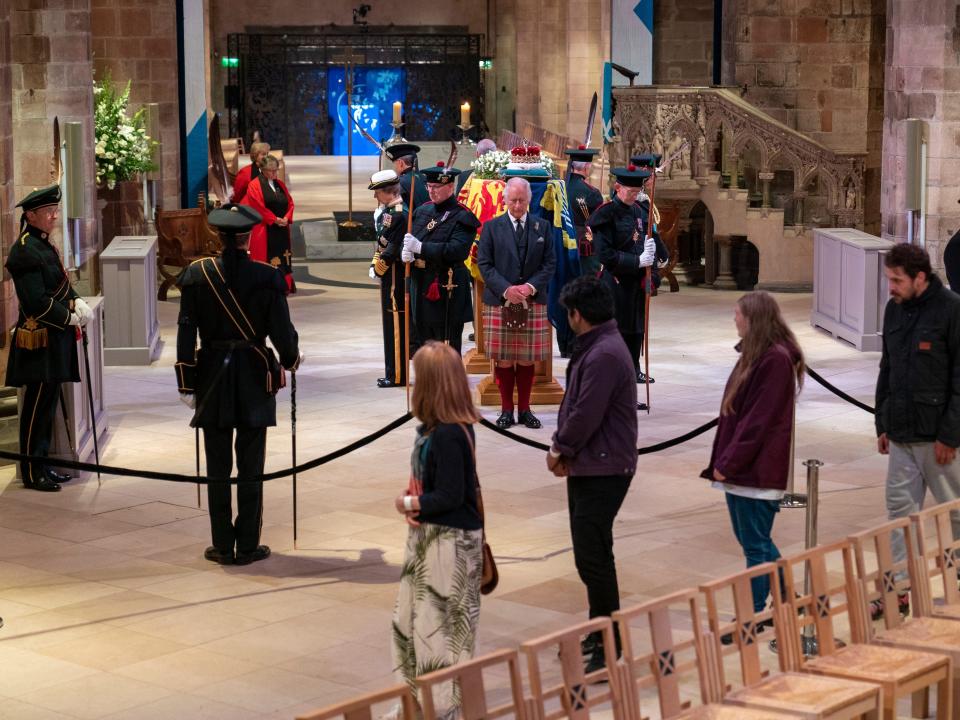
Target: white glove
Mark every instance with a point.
(81, 308)
(189, 399)
(75, 320)
(406, 256)
(650, 245)
(301, 358)
(649, 254)
(411, 244)
(372, 274)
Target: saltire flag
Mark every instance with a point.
(607, 116)
(484, 198)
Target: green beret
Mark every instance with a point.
(41, 198)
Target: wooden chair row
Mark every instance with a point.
(674, 654)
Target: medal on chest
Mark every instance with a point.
(433, 223)
(636, 231)
(386, 219)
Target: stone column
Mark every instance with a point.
(7, 198)
(724, 279)
(798, 198)
(765, 178)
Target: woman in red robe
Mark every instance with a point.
(270, 240)
(258, 151)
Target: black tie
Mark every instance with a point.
(519, 229)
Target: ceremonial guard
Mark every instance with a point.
(584, 199)
(43, 347)
(391, 226)
(235, 303)
(404, 158)
(439, 242)
(619, 237)
(650, 162)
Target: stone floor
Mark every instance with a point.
(110, 610)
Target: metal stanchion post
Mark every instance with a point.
(809, 640)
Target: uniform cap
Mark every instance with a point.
(399, 150)
(631, 176)
(234, 219)
(383, 179)
(41, 197)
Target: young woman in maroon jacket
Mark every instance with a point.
(751, 451)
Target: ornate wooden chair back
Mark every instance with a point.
(474, 693)
(938, 551)
(575, 693)
(882, 578)
(664, 641)
(366, 707)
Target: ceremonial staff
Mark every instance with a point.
(196, 450)
(293, 447)
(406, 291)
(93, 414)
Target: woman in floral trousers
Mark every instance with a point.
(438, 606)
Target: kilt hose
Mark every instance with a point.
(530, 343)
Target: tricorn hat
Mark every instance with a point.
(41, 197)
(383, 179)
(401, 149)
(232, 220)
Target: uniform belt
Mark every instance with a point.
(229, 344)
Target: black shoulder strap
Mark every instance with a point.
(228, 301)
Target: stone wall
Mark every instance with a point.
(817, 66)
(923, 81)
(52, 77)
(7, 199)
(137, 42)
(683, 42)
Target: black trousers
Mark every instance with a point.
(394, 335)
(634, 343)
(36, 425)
(594, 502)
(250, 450)
(453, 331)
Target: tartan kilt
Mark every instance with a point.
(530, 343)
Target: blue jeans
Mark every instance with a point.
(752, 521)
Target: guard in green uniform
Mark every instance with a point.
(404, 158)
(584, 199)
(391, 225)
(235, 304)
(438, 244)
(43, 347)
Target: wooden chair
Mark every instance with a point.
(900, 672)
(663, 662)
(469, 678)
(577, 692)
(182, 237)
(802, 694)
(362, 708)
(939, 557)
(879, 577)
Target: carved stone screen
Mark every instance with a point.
(278, 84)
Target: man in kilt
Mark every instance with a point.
(516, 259)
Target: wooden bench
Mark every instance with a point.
(182, 237)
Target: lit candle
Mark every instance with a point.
(397, 110)
(465, 114)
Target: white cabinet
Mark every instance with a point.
(849, 287)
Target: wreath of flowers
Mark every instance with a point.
(123, 148)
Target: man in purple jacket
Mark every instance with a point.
(595, 444)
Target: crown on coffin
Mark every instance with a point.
(526, 154)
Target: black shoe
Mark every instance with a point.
(505, 420)
(598, 661)
(590, 643)
(728, 638)
(641, 378)
(262, 552)
(218, 556)
(642, 406)
(386, 383)
(528, 419)
(56, 477)
(44, 484)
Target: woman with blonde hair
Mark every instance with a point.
(438, 606)
(258, 151)
(751, 451)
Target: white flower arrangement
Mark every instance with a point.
(123, 148)
(489, 165)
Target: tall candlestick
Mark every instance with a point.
(397, 110)
(465, 114)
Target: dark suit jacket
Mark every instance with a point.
(499, 258)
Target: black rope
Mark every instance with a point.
(838, 392)
(641, 451)
(176, 477)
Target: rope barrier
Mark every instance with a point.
(838, 392)
(366, 440)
